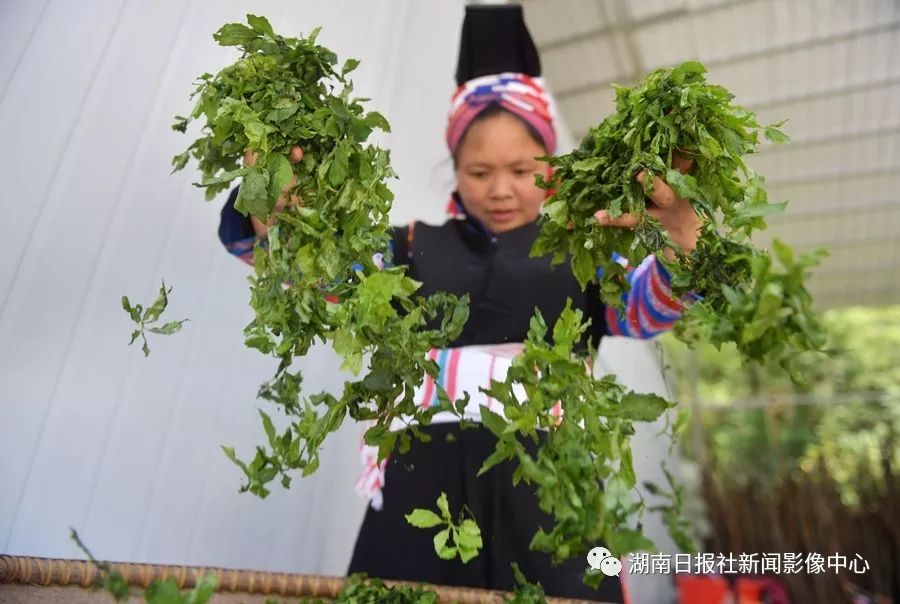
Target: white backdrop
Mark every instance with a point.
(95, 436)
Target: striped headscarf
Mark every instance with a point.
(521, 94)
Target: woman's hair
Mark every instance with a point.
(492, 110)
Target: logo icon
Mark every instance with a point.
(601, 559)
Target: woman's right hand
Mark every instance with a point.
(285, 199)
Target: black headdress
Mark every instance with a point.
(495, 40)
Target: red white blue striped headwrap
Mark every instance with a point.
(521, 94)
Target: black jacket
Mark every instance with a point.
(461, 256)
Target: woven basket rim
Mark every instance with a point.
(83, 573)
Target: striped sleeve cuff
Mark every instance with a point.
(650, 308)
(243, 248)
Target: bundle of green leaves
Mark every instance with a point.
(461, 538)
(767, 315)
(144, 318)
(583, 467)
(676, 112)
(283, 92)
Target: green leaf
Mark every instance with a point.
(180, 161)
(784, 253)
(374, 119)
(492, 421)
(467, 554)
(440, 545)
(375, 434)
(180, 125)
(229, 453)
(253, 196)
(203, 591)
(383, 192)
(709, 146)
(235, 34)
(469, 536)
(374, 296)
(223, 177)
(626, 541)
(349, 65)
(132, 312)
(269, 427)
(420, 518)
(684, 184)
(642, 407)
(379, 381)
(762, 210)
(688, 67)
(282, 110)
(626, 471)
(169, 328)
(280, 173)
(777, 136)
(256, 131)
(260, 24)
(498, 456)
(163, 592)
(469, 527)
(116, 585)
(337, 173)
(588, 165)
(448, 552)
(158, 306)
(340, 110)
(681, 422)
(442, 506)
(350, 349)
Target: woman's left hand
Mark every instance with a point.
(675, 213)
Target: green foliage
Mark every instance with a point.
(583, 470)
(858, 440)
(157, 592)
(853, 434)
(283, 92)
(526, 593)
(768, 316)
(317, 281)
(859, 447)
(358, 589)
(461, 538)
(673, 513)
(144, 317)
(747, 301)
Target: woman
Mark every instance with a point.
(500, 121)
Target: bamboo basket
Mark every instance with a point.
(43, 580)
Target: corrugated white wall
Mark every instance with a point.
(826, 66)
(92, 434)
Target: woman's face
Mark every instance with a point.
(495, 170)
